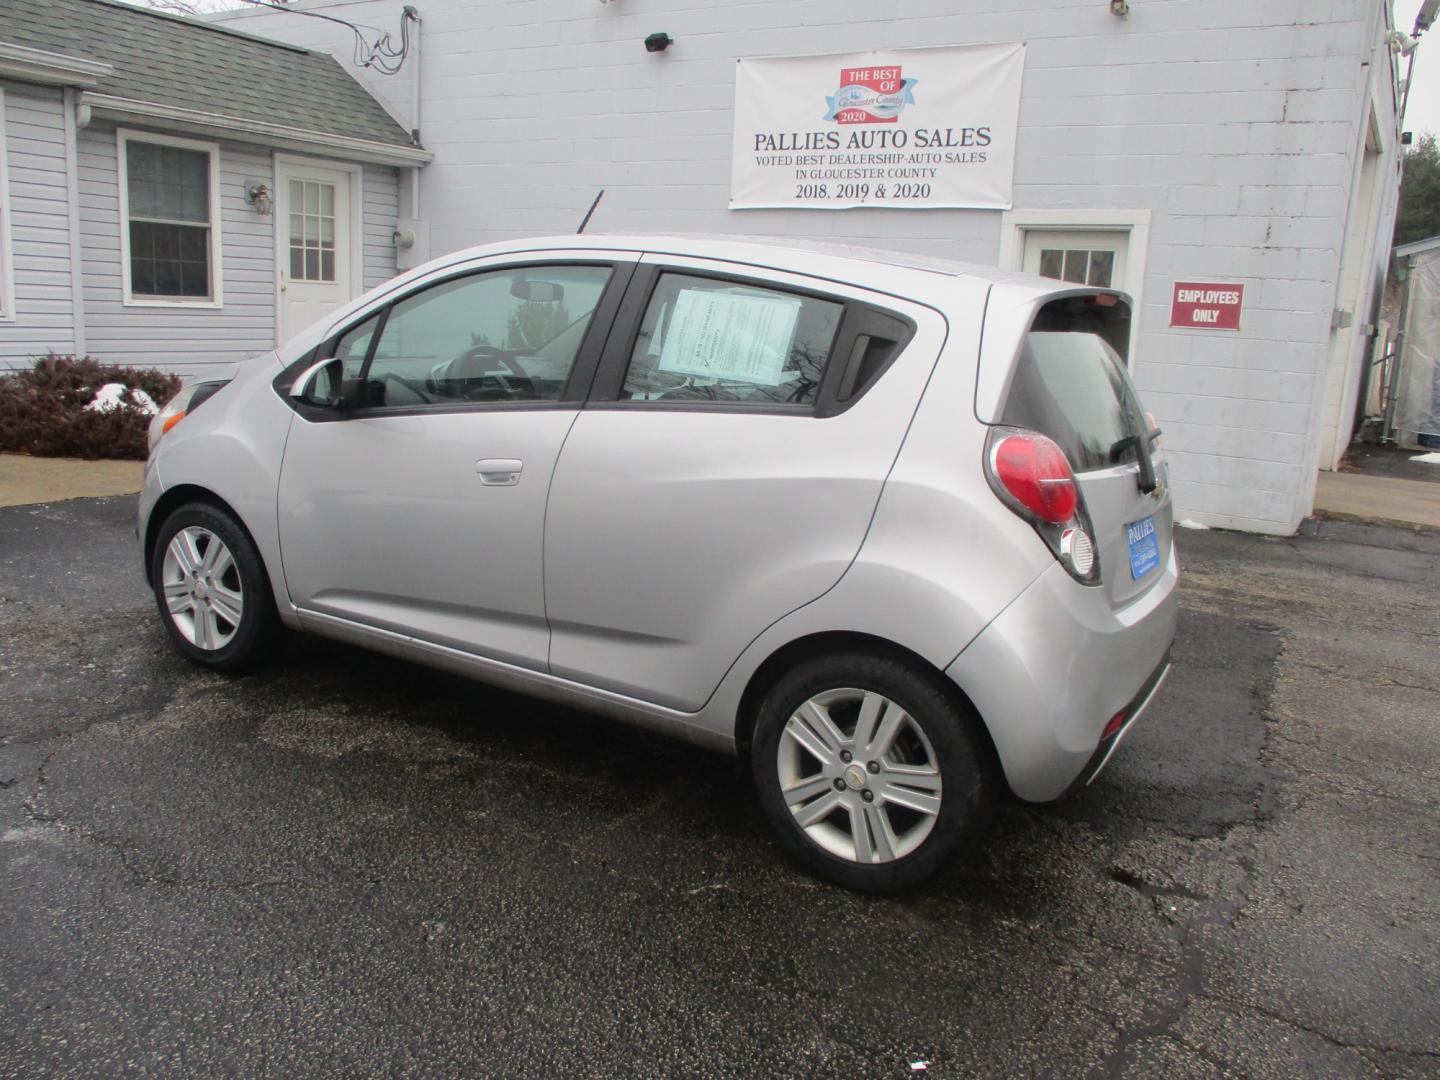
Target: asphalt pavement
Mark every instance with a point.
(345, 865)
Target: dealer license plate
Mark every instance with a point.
(1144, 547)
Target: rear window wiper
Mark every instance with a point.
(1120, 446)
(1147, 480)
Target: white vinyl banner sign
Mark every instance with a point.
(903, 128)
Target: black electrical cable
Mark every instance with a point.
(381, 55)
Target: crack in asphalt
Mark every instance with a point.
(1200, 1051)
(1345, 762)
(1153, 892)
(1214, 911)
(1191, 969)
(1310, 1029)
(1370, 677)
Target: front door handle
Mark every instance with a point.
(499, 472)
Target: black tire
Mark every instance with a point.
(967, 785)
(233, 646)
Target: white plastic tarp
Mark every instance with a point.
(1417, 394)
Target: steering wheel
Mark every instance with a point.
(463, 370)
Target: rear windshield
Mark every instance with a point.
(1071, 385)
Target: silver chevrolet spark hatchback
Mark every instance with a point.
(896, 530)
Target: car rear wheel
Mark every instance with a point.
(869, 772)
(211, 588)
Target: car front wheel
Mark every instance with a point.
(869, 772)
(211, 588)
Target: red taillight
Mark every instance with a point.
(1034, 471)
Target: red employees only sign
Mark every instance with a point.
(1205, 305)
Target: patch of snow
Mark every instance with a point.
(1428, 459)
(108, 398)
(1187, 523)
(116, 395)
(144, 402)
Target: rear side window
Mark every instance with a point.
(1071, 386)
(706, 339)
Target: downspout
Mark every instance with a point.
(76, 117)
(414, 17)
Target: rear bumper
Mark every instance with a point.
(1055, 666)
(1110, 743)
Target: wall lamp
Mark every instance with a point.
(257, 194)
(658, 42)
(1119, 7)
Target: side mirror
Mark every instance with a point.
(319, 384)
(537, 291)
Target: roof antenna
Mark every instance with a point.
(589, 213)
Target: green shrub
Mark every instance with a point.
(42, 411)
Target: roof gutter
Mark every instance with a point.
(246, 130)
(24, 64)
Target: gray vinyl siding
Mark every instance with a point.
(194, 341)
(44, 316)
(381, 187)
(189, 341)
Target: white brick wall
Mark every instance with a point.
(1236, 123)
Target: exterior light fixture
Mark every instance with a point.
(1119, 7)
(658, 42)
(257, 194)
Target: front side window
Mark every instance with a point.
(713, 340)
(354, 346)
(170, 219)
(505, 335)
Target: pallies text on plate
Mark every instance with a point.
(1139, 530)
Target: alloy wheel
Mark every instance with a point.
(203, 592)
(859, 775)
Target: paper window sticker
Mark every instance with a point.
(726, 336)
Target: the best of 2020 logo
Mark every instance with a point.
(870, 96)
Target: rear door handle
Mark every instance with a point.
(499, 472)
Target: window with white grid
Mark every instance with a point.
(170, 232)
(312, 230)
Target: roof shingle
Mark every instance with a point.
(187, 64)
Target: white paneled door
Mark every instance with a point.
(317, 270)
